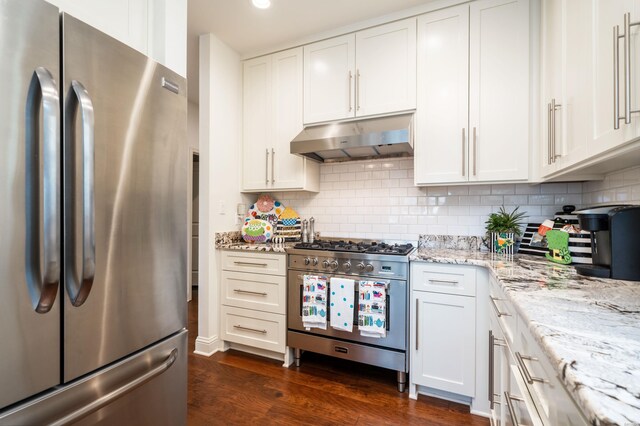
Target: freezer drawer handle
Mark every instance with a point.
(43, 214)
(78, 292)
(118, 393)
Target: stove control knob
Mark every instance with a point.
(307, 261)
(346, 266)
(360, 266)
(369, 267)
(315, 261)
(334, 264)
(325, 264)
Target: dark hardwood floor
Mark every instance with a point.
(234, 388)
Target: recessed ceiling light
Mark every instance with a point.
(261, 4)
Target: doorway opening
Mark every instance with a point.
(194, 224)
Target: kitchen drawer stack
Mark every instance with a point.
(524, 387)
(254, 301)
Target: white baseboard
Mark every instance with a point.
(207, 346)
(255, 351)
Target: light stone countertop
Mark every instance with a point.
(273, 248)
(588, 327)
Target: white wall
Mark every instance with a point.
(622, 187)
(220, 122)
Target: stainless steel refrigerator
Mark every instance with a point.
(93, 226)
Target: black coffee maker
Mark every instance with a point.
(615, 241)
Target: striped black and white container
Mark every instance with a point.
(579, 244)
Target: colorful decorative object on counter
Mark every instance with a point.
(266, 208)
(502, 242)
(558, 244)
(288, 225)
(256, 230)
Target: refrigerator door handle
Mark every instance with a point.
(43, 177)
(79, 293)
(119, 392)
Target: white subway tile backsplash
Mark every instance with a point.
(378, 199)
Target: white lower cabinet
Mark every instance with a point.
(524, 387)
(443, 329)
(253, 312)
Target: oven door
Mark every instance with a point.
(396, 313)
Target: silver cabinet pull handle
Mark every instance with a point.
(255, 330)
(549, 135)
(43, 214)
(358, 90)
(512, 412)
(554, 108)
(627, 68)
(452, 282)
(527, 375)
(475, 151)
(495, 306)
(464, 153)
(616, 77)
(417, 321)
(118, 393)
(491, 367)
(257, 293)
(237, 262)
(626, 38)
(273, 156)
(266, 167)
(350, 87)
(79, 291)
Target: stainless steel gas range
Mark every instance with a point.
(362, 260)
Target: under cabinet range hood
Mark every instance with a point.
(386, 136)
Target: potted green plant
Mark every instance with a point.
(503, 228)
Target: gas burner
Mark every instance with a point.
(357, 247)
(383, 248)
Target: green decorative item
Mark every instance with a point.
(558, 244)
(503, 228)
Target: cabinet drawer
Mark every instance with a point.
(260, 262)
(502, 309)
(448, 279)
(252, 328)
(552, 400)
(259, 292)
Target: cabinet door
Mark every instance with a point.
(329, 79)
(443, 89)
(608, 14)
(287, 169)
(386, 68)
(499, 90)
(574, 113)
(124, 20)
(256, 137)
(443, 354)
(552, 77)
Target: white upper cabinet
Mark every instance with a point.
(124, 20)
(608, 131)
(499, 110)
(473, 110)
(442, 116)
(566, 81)
(272, 117)
(156, 28)
(386, 68)
(329, 74)
(370, 72)
(257, 107)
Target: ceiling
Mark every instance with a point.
(247, 29)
